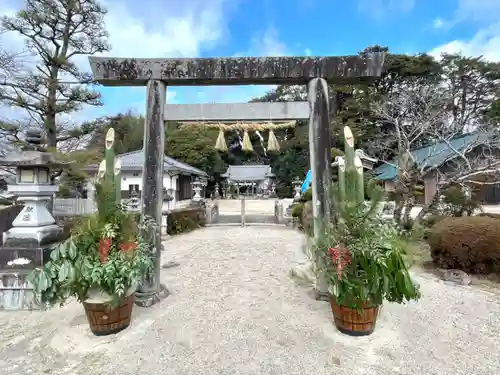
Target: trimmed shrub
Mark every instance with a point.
(307, 195)
(490, 214)
(297, 210)
(186, 219)
(469, 243)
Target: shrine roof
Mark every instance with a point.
(134, 160)
(248, 172)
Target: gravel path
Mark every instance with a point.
(233, 310)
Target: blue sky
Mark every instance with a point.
(207, 28)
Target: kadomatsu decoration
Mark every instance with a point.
(362, 255)
(106, 257)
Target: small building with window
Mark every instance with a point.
(442, 158)
(177, 177)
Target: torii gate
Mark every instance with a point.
(158, 74)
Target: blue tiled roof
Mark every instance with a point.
(433, 156)
(135, 161)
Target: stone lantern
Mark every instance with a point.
(273, 189)
(216, 191)
(34, 231)
(171, 192)
(197, 186)
(297, 184)
(169, 196)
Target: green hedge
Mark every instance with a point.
(179, 220)
(185, 219)
(468, 243)
(297, 210)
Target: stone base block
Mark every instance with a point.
(16, 292)
(151, 299)
(33, 237)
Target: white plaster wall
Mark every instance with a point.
(135, 178)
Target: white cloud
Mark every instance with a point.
(185, 31)
(183, 35)
(477, 10)
(438, 23)
(269, 44)
(178, 36)
(486, 41)
(380, 9)
(195, 26)
(266, 43)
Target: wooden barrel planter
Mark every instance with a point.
(355, 322)
(104, 320)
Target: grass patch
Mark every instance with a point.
(418, 255)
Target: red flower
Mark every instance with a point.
(128, 246)
(104, 247)
(341, 257)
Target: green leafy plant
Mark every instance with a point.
(108, 252)
(362, 255)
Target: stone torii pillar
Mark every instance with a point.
(157, 74)
(152, 184)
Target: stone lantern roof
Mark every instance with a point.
(32, 154)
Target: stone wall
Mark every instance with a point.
(15, 292)
(307, 219)
(7, 216)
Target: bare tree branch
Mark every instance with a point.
(422, 118)
(55, 31)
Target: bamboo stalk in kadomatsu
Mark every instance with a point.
(109, 154)
(102, 170)
(341, 174)
(118, 181)
(360, 183)
(353, 175)
(109, 157)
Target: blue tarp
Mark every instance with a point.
(307, 181)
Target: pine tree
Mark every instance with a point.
(56, 32)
